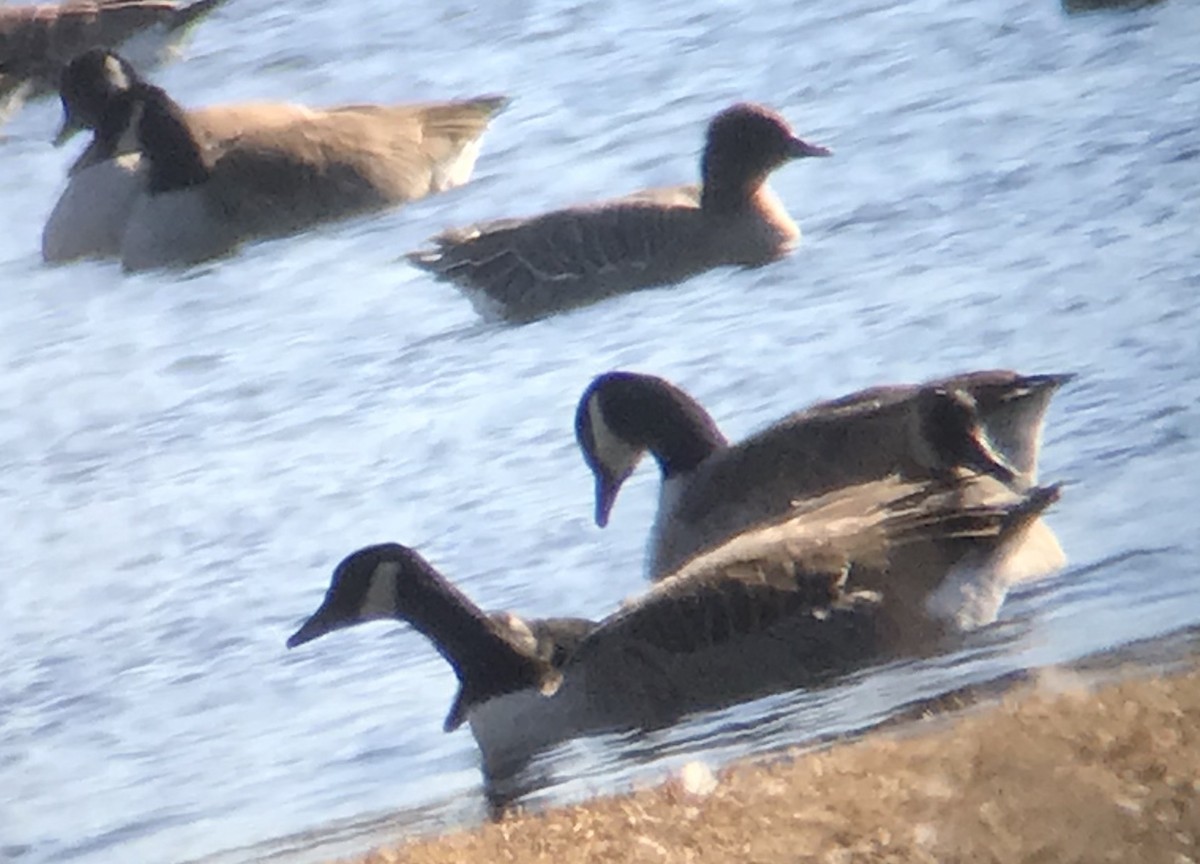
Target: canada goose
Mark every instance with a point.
(522, 269)
(38, 41)
(847, 579)
(106, 180)
(988, 421)
(285, 170)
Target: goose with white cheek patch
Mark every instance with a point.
(527, 268)
(109, 176)
(988, 421)
(849, 578)
(215, 178)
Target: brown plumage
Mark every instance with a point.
(988, 421)
(216, 177)
(522, 269)
(862, 574)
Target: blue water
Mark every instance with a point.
(183, 458)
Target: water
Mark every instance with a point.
(183, 458)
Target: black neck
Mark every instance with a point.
(951, 426)
(166, 140)
(112, 128)
(674, 427)
(486, 662)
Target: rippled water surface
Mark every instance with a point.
(183, 458)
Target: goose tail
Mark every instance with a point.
(187, 16)
(930, 519)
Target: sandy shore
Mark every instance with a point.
(1056, 772)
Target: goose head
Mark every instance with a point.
(491, 656)
(744, 144)
(368, 585)
(103, 92)
(623, 415)
(1013, 410)
(91, 85)
(950, 434)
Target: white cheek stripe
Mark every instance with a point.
(381, 600)
(617, 456)
(116, 75)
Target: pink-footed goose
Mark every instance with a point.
(526, 268)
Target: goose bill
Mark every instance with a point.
(318, 625)
(802, 149)
(606, 496)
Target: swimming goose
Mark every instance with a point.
(105, 181)
(522, 269)
(846, 579)
(37, 42)
(286, 168)
(988, 421)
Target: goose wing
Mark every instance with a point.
(295, 165)
(803, 567)
(885, 543)
(530, 266)
(804, 455)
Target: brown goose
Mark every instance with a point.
(215, 178)
(37, 42)
(987, 421)
(848, 579)
(522, 269)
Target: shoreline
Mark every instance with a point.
(1061, 769)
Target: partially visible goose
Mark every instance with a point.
(522, 269)
(38, 41)
(105, 181)
(285, 170)
(852, 577)
(988, 421)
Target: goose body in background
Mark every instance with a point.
(212, 179)
(38, 41)
(527, 268)
(106, 180)
(988, 421)
(860, 574)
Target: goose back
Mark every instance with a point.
(515, 269)
(278, 179)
